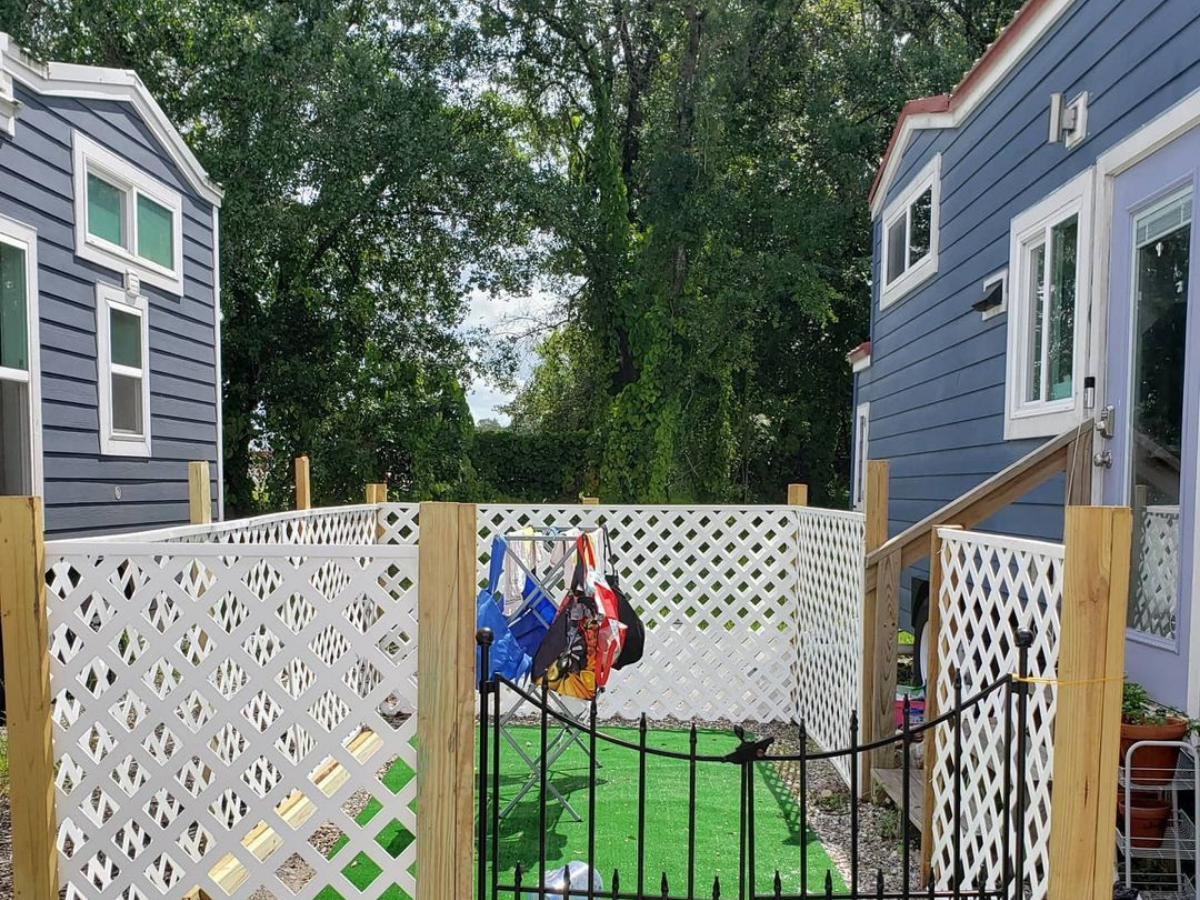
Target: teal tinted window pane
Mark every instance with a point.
(155, 228)
(125, 338)
(1036, 293)
(14, 323)
(104, 202)
(1064, 263)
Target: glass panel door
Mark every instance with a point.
(1152, 386)
(1161, 261)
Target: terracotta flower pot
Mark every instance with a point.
(1148, 820)
(1152, 765)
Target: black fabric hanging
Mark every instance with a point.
(635, 631)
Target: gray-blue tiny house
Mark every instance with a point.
(109, 300)
(1032, 246)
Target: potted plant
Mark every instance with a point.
(1149, 816)
(1143, 720)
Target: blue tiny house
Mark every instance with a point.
(109, 300)
(1033, 243)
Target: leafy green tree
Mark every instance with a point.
(366, 195)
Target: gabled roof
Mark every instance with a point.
(1031, 21)
(93, 82)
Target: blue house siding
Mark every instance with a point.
(80, 484)
(937, 379)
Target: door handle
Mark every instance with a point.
(1103, 459)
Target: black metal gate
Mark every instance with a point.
(527, 881)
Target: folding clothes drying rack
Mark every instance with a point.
(546, 585)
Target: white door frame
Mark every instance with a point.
(1151, 137)
(24, 236)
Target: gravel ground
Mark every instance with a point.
(6, 885)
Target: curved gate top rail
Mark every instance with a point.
(558, 729)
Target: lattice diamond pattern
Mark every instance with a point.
(1156, 584)
(991, 586)
(831, 547)
(213, 703)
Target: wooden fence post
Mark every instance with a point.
(797, 494)
(199, 493)
(1087, 728)
(303, 485)
(880, 606)
(591, 501)
(446, 701)
(377, 492)
(933, 669)
(26, 635)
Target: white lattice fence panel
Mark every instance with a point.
(220, 717)
(716, 588)
(830, 596)
(1156, 588)
(991, 587)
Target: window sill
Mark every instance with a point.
(121, 260)
(914, 278)
(1047, 423)
(133, 447)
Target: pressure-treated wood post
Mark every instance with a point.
(933, 670)
(303, 484)
(446, 701)
(797, 495)
(26, 637)
(199, 493)
(591, 501)
(1087, 728)
(377, 492)
(880, 606)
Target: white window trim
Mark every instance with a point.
(925, 268)
(1047, 419)
(862, 415)
(90, 156)
(21, 235)
(112, 444)
(1002, 277)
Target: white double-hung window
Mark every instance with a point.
(1050, 274)
(125, 219)
(910, 235)
(123, 371)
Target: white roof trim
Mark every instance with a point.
(96, 83)
(965, 103)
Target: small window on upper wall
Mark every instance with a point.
(910, 235)
(123, 371)
(125, 219)
(1051, 273)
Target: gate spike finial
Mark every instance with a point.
(879, 883)
(663, 887)
(778, 885)
(828, 883)
(716, 887)
(616, 884)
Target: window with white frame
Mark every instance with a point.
(862, 426)
(910, 235)
(1050, 272)
(123, 369)
(124, 218)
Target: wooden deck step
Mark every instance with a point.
(890, 781)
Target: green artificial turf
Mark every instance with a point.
(718, 788)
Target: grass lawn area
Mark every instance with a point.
(717, 792)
